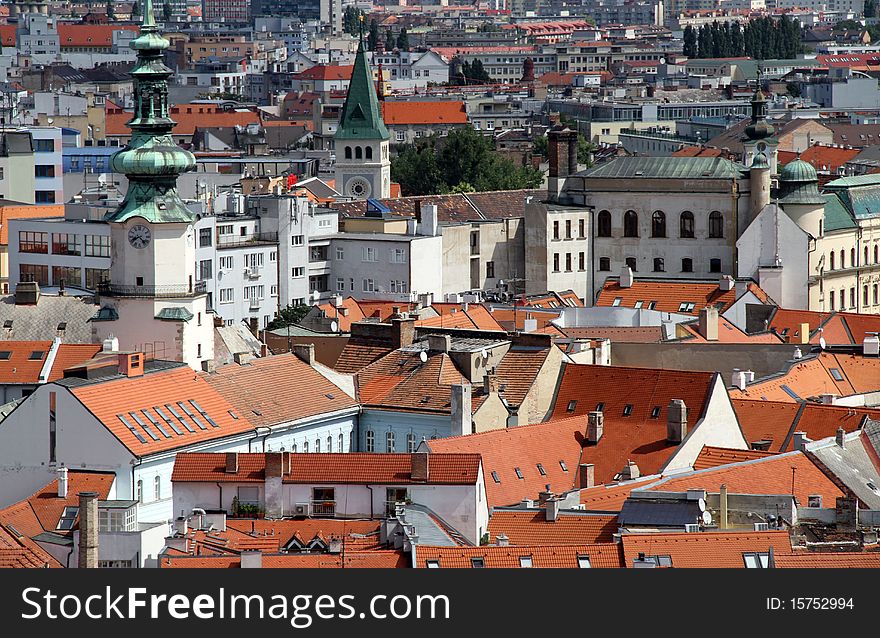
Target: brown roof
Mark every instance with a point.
(710, 457)
(359, 352)
(400, 380)
(370, 559)
(605, 555)
(253, 390)
(705, 549)
(530, 527)
(649, 334)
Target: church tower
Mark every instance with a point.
(363, 160)
(759, 133)
(800, 198)
(152, 303)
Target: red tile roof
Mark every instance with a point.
(450, 315)
(17, 551)
(370, 560)
(610, 498)
(766, 421)
(19, 367)
(187, 116)
(423, 113)
(604, 555)
(710, 457)
(648, 334)
(530, 527)
(24, 211)
(825, 158)
(325, 72)
(359, 352)
(90, 35)
(811, 560)
(108, 399)
(7, 35)
(727, 333)
(350, 468)
(402, 381)
(705, 549)
(253, 390)
(669, 295)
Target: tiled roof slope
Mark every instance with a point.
(811, 560)
(353, 467)
(530, 527)
(710, 457)
(605, 555)
(368, 560)
(360, 352)
(517, 371)
(669, 295)
(108, 399)
(20, 552)
(401, 381)
(253, 390)
(610, 498)
(412, 113)
(705, 549)
(449, 315)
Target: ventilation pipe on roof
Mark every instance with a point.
(871, 345)
(726, 284)
(739, 379)
(840, 438)
(799, 441)
(722, 497)
(630, 472)
(626, 277)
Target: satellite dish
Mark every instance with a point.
(423, 356)
(334, 326)
(702, 504)
(707, 518)
(484, 354)
(822, 343)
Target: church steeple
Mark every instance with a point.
(361, 117)
(151, 161)
(759, 128)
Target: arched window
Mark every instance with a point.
(842, 259)
(658, 264)
(686, 225)
(630, 224)
(358, 152)
(410, 442)
(603, 224)
(716, 225)
(852, 258)
(306, 447)
(341, 442)
(317, 445)
(687, 265)
(369, 152)
(831, 261)
(389, 442)
(876, 253)
(329, 443)
(347, 152)
(658, 224)
(865, 261)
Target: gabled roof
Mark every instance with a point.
(705, 549)
(90, 35)
(326, 72)
(338, 468)
(530, 527)
(188, 118)
(855, 463)
(253, 390)
(451, 315)
(669, 295)
(22, 362)
(179, 387)
(400, 381)
(604, 555)
(423, 113)
(665, 168)
(710, 457)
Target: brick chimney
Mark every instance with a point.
(587, 473)
(419, 471)
(277, 464)
(595, 426)
(626, 277)
(62, 482)
(708, 325)
(131, 364)
(232, 462)
(403, 332)
(88, 529)
(439, 343)
(305, 352)
(676, 421)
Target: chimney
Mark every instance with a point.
(88, 530)
(251, 559)
(827, 398)
(739, 379)
(305, 352)
(587, 475)
(595, 426)
(62, 482)
(676, 421)
(871, 346)
(403, 332)
(439, 343)
(460, 406)
(630, 472)
(232, 462)
(334, 545)
(27, 293)
(551, 509)
(490, 384)
(277, 464)
(544, 496)
(131, 364)
(428, 222)
(110, 344)
(804, 333)
(799, 441)
(626, 277)
(722, 497)
(209, 365)
(709, 323)
(840, 437)
(726, 284)
(419, 471)
(181, 526)
(502, 540)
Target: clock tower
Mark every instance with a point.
(152, 302)
(363, 156)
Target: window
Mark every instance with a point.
(347, 152)
(398, 256)
(389, 442)
(604, 263)
(658, 224)
(68, 517)
(567, 262)
(205, 268)
(686, 306)
(97, 245)
(44, 146)
(842, 300)
(852, 258)
(568, 229)
(369, 285)
(139, 495)
(876, 253)
(410, 442)
(495, 476)
(852, 298)
(298, 271)
(157, 488)
(875, 293)
(432, 564)
(755, 560)
(525, 561)
(477, 563)
(44, 197)
(842, 259)
(831, 261)
(296, 240)
(490, 269)
(34, 272)
(370, 441)
(835, 373)
(716, 225)
(69, 275)
(687, 265)
(226, 229)
(317, 445)
(583, 562)
(341, 442)
(627, 409)
(631, 262)
(603, 224)
(205, 237)
(658, 264)
(398, 286)
(714, 265)
(369, 254)
(30, 242)
(340, 252)
(630, 224)
(305, 447)
(556, 229)
(865, 295)
(65, 244)
(358, 152)
(686, 225)
(617, 301)
(555, 262)
(563, 466)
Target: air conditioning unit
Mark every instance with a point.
(762, 527)
(692, 527)
(247, 272)
(302, 509)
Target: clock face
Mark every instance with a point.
(139, 236)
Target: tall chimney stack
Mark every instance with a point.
(62, 482)
(595, 426)
(88, 529)
(676, 421)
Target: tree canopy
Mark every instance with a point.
(462, 161)
(288, 316)
(351, 20)
(762, 39)
(471, 74)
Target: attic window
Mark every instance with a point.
(617, 301)
(541, 470)
(584, 562)
(62, 326)
(563, 466)
(477, 562)
(495, 476)
(519, 473)
(8, 324)
(432, 564)
(638, 304)
(68, 517)
(426, 398)
(4, 355)
(525, 561)
(835, 373)
(233, 414)
(329, 396)
(36, 355)
(652, 305)
(756, 560)
(655, 412)
(572, 405)
(686, 306)
(627, 409)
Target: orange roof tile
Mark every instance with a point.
(326, 72)
(401, 381)
(90, 35)
(604, 555)
(415, 113)
(371, 560)
(827, 159)
(667, 295)
(20, 367)
(450, 315)
(811, 560)
(352, 467)
(859, 325)
(18, 551)
(24, 211)
(766, 421)
(610, 498)
(710, 457)
(7, 35)
(360, 352)
(108, 399)
(787, 323)
(187, 116)
(253, 390)
(530, 527)
(705, 549)
(727, 333)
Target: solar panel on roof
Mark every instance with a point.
(157, 425)
(190, 414)
(203, 413)
(137, 434)
(146, 427)
(178, 417)
(167, 420)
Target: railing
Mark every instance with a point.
(323, 508)
(116, 290)
(247, 240)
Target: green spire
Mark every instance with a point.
(151, 161)
(361, 118)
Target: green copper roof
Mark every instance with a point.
(152, 160)
(174, 314)
(798, 171)
(837, 217)
(361, 118)
(666, 168)
(860, 194)
(106, 314)
(760, 161)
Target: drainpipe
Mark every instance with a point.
(371, 501)
(260, 431)
(220, 487)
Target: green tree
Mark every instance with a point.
(373, 38)
(539, 145)
(478, 73)
(136, 9)
(351, 20)
(166, 12)
(403, 40)
(848, 25)
(870, 8)
(690, 42)
(793, 89)
(111, 13)
(288, 316)
(585, 150)
(389, 40)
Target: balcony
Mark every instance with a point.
(323, 508)
(108, 289)
(253, 239)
